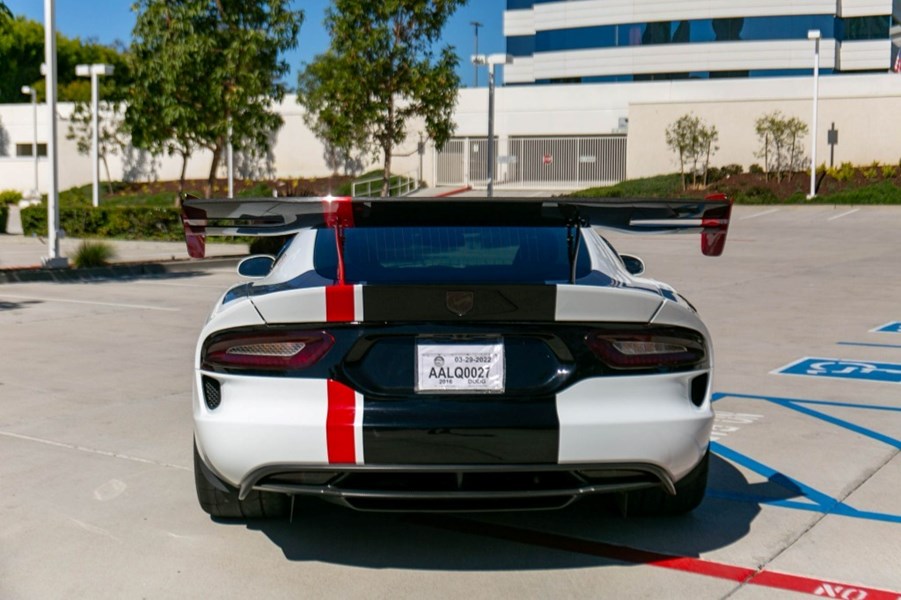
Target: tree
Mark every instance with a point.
(22, 52)
(110, 135)
(694, 142)
(780, 138)
(379, 72)
(204, 66)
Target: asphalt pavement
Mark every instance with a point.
(97, 485)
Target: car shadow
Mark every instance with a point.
(588, 533)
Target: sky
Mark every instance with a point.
(108, 20)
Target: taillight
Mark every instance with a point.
(633, 350)
(267, 351)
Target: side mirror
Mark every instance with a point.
(256, 267)
(633, 264)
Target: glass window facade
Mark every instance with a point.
(736, 29)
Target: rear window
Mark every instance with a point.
(449, 255)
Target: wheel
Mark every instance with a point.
(656, 502)
(220, 500)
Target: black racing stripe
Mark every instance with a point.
(446, 429)
(446, 303)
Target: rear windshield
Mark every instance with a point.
(450, 255)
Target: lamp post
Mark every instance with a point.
(475, 67)
(814, 34)
(94, 71)
(491, 61)
(53, 260)
(30, 91)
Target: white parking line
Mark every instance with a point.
(186, 285)
(95, 303)
(46, 442)
(760, 214)
(844, 214)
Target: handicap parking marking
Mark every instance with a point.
(803, 406)
(813, 499)
(893, 327)
(843, 369)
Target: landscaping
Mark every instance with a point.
(846, 184)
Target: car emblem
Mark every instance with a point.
(459, 303)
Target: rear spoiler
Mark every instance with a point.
(285, 216)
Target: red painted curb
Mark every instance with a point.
(452, 192)
(698, 566)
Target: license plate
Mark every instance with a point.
(477, 367)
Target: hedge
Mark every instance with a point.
(123, 222)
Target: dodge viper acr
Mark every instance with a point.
(436, 354)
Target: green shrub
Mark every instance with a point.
(124, 222)
(93, 254)
(8, 197)
(872, 172)
(757, 194)
(755, 169)
(884, 192)
(844, 172)
(889, 171)
(661, 186)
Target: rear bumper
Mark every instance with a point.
(456, 487)
(266, 425)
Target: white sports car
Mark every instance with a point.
(436, 354)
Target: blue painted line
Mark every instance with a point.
(869, 345)
(841, 368)
(820, 502)
(893, 327)
(773, 475)
(720, 395)
(837, 509)
(885, 439)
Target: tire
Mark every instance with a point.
(655, 502)
(220, 500)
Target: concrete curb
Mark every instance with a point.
(115, 271)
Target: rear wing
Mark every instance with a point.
(285, 216)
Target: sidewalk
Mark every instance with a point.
(27, 252)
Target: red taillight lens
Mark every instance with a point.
(268, 351)
(628, 350)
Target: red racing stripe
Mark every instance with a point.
(339, 303)
(339, 423)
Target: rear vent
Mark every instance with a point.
(212, 395)
(699, 389)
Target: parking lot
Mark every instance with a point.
(804, 494)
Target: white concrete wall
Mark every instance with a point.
(863, 107)
(295, 153)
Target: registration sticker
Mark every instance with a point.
(460, 367)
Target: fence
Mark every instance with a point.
(534, 162)
(398, 185)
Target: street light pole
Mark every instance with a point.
(53, 260)
(94, 71)
(475, 67)
(28, 90)
(814, 34)
(491, 62)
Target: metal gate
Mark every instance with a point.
(534, 162)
